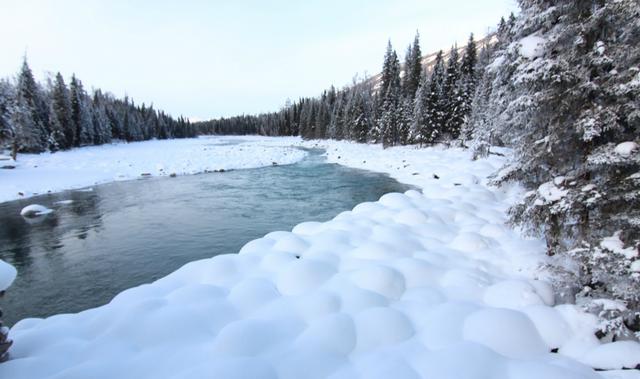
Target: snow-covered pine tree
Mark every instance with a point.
(359, 116)
(405, 121)
(101, 123)
(7, 106)
(434, 102)
(565, 95)
(391, 91)
(405, 81)
(32, 109)
(451, 100)
(389, 119)
(335, 130)
(467, 84)
(80, 114)
(62, 131)
(419, 121)
(414, 72)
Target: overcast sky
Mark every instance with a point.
(205, 59)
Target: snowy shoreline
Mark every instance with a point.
(38, 174)
(430, 284)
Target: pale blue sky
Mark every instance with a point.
(205, 59)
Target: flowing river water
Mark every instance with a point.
(114, 236)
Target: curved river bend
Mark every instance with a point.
(124, 234)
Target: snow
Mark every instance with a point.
(532, 46)
(7, 275)
(625, 149)
(550, 192)
(421, 284)
(87, 166)
(35, 210)
(615, 245)
(625, 352)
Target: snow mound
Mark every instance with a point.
(35, 210)
(7, 275)
(625, 149)
(531, 46)
(310, 303)
(615, 355)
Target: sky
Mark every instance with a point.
(209, 59)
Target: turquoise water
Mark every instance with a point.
(124, 234)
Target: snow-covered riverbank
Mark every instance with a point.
(41, 173)
(428, 284)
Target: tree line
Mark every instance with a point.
(406, 104)
(56, 116)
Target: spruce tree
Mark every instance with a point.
(33, 112)
(62, 135)
(435, 100)
(467, 83)
(80, 116)
(451, 97)
(388, 118)
(564, 94)
(419, 126)
(413, 69)
(7, 105)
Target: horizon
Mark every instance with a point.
(166, 55)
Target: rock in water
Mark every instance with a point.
(34, 210)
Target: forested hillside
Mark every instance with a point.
(559, 84)
(56, 116)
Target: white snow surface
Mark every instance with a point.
(427, 284)
(625, 149)
(7, 275)
(53, 172)
(532, 46)
(615, 244)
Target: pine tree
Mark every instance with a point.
(419, 132)
(62, 131)
(32, 111)
(412, 69)
(389, 120)
(434, 101)
(80, 116)
(390, 71)
(467, 84)
(7, 106)
(405, 120)
(388, 126)
(101, 123)
(563, 93)
(451, 99)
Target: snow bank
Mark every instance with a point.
(531, 46)
(87, 166)
(7, 275)
(413, 285)
(35, 210)
(625, 149)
